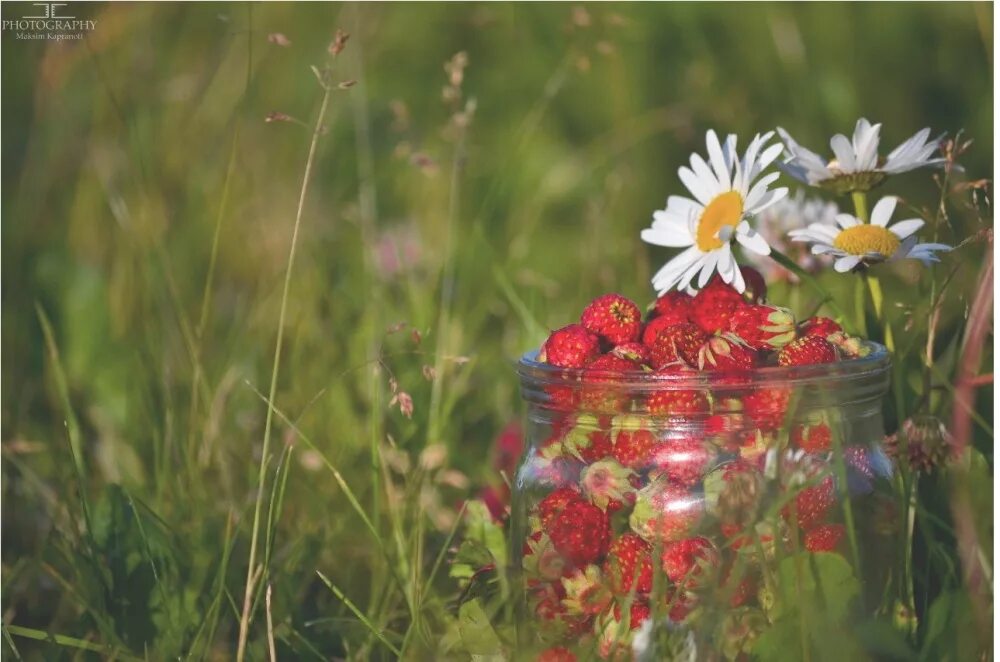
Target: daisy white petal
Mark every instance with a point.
(844, 152)
(846, 263)
(668, 218)
(719, 165)
(904, 229)
(709, 179)
(882, 211)
(664, 236)
(738, 283)
(768, 199)
(755, 194)
(856, 165)
(670, 273)
(707, 268)
(691, 272)
(768, 156)
(699, 188)
(752, 240)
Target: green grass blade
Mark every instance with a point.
(348, 492)
(357, 612)
(71, 422)
(10, 643)
(70, 642)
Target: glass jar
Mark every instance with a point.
(704, 516)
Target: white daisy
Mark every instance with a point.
(852, 242)
(774, 223)
(856, 165)
(726, 194)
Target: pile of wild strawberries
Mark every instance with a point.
(675, 479)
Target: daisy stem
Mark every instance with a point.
(806, 277)
(876, 291)
(859, 305)
(860, 205)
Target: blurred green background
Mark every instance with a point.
(480, 218)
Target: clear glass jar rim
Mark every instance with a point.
(874, 364)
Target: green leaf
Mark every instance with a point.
(813, 598)
(951, 631)
(884, 640)
(478, 636)
(481, 528)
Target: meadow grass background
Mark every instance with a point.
(148, 210)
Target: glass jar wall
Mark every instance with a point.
(698, 516)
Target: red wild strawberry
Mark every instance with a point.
(679, 402)
(812, 438)
(638, 612)
(561, 398)
(609, 363)
(766, 407)
(632, 442)
(556, 654)
(714, 304)
(811, 504)
(572, 346)
(726, 354)
(605, 369)
(809, 350)
(824, 538)
(580, 532)
(684, 460)
(613, 318)
(555, 501)
(684, 560)
(629, 563)
(677, 343)
(674, 306)
(665, 512)
(655, 325)
(762, 327)
(724, 428)
(681, 603)
(824, 327)
(635, 352)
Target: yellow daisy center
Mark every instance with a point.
(725, 210)
(865, 239)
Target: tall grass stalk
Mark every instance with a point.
(275, 366)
